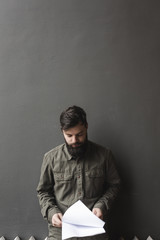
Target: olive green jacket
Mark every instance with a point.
(92, 179)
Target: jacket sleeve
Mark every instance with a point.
(45, 191)
(112, 184)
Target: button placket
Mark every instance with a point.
(79, 180)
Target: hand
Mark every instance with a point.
(57, 220)
(98, 212)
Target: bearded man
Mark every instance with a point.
(76, 170)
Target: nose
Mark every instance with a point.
(74, 139)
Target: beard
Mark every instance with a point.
(79, 150)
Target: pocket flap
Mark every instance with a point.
(59, 176)
(97, 172)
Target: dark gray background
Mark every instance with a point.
(103, 55)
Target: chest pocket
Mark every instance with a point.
(95, 173)
(94, 183)
(63, 187)
(62, 176)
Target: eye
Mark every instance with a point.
(68, 135)
(80, 134)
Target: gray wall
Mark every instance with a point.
(103, 55)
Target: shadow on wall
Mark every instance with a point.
(121, 216)
(121, 219)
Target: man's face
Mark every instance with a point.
(76, 139)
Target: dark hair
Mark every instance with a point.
(72, 116)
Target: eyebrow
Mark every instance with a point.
(75, 134)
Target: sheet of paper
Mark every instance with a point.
(79, 221)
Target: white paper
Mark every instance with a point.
(79, 221)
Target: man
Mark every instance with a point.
(76, 170)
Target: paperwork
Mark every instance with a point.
(79, 221)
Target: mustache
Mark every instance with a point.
(76, 144)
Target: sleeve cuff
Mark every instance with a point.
(101, 206)
(51, 212)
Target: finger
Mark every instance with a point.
(98, 213)
(94, 211)
(56, 220)
(60, 216)
(59, 223)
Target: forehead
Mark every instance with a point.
(76, 129)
